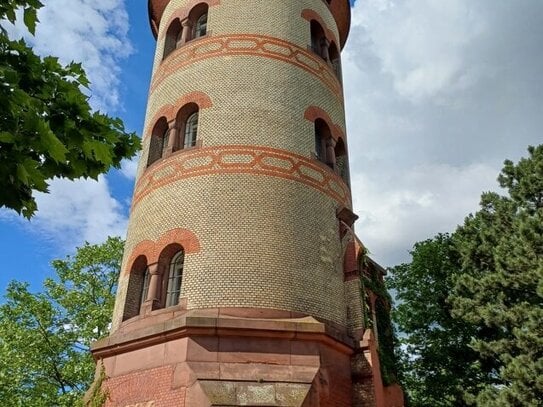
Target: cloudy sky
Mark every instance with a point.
(438, 94)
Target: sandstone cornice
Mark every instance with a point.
(197, 323)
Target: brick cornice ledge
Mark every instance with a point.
(306, 329)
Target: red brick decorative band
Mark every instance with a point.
(243, 159)
(248, 44)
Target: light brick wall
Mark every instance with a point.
(278, 18)
(355, 313)
(248, 109)
(266, 242)
(261, 246)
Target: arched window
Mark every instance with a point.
(322, 137)
(145, 285)
(318, 39)
(198, 20)
(159, 141)
(342, 162)
(175, 277)
(192, 27)
(200, 28)
(335, 60)
(170, 265)
(173, 37)
(186, 123)
(191, 130)
(138, 285)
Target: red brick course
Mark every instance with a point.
(210, 161)
(152, 387)
(248, 44)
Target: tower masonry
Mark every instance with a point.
(242, 278)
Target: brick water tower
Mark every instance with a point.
(241, 279)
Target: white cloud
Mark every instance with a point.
(397, 210)
(78, 211)
(74, 212)
(129, 168)
(438, 94)
(420, 43)
(93, 32)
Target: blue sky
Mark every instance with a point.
(438, 94)
(26, 251)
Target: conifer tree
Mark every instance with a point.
(470, 305)
(500, 289)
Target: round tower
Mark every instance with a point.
(239, 284)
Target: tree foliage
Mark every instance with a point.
(437, 364)
(47, 127)
(44, 346)
(470, 304)
(372, 281)
(500, 289)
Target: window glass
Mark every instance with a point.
(318, 145)
(145, 286)
(200, 28)
(191, 129)
(174, 279)
(320, 138)
(172, 37)
(317, 37)
(165, 138)
(333, 54)
(178, 38)
(158, 141)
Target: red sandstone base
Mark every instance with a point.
(200, 360)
